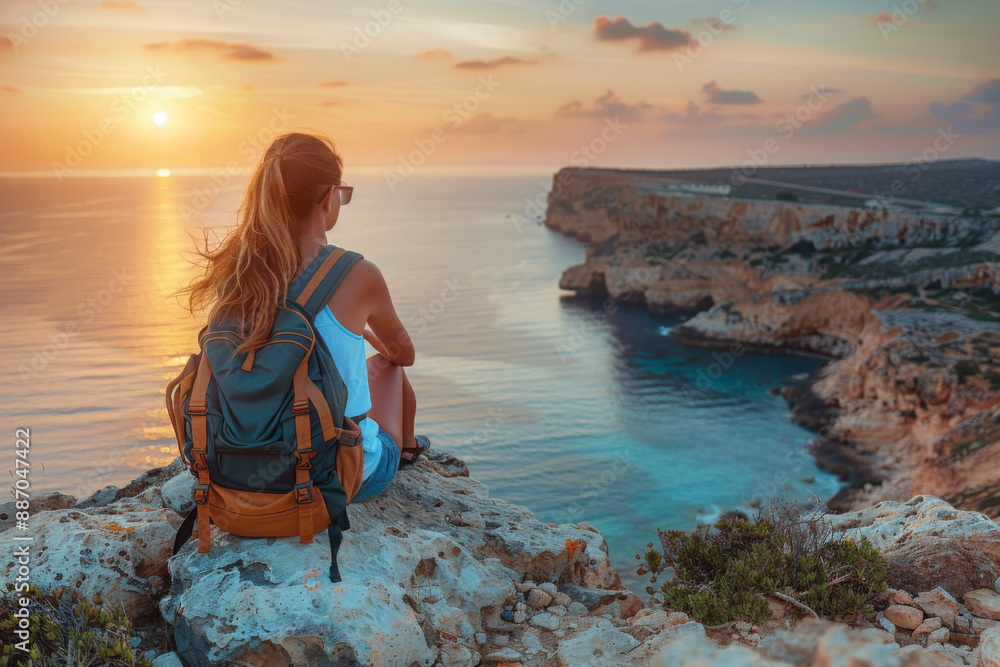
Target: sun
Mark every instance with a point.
(160, 118)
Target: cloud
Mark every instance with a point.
(715, 24)
(333, 84)
(881, 17)
(651, 37)
(605, 106)
(976, 112)
(11, 89)
(842, 117)
(488, 123)
(692, 116)
(715, 94)
(493, 64)
(435, 54)
(121, 5)
(6, 44)
(820, 91)
(229, 50)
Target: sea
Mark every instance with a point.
(580, 410)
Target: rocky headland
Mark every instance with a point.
(436, 572)
(902, 302)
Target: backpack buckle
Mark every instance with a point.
(200, 494)
(304, 458)
(200, 461)
(197, 409)
(304, 492)
(300, 408)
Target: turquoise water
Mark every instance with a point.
(577, 410)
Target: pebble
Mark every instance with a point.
(500, 640)
(549, 588)
(507, 615)
(545, 620)
(577, 608)
(539, 598)
(905, 616)
(939, 636)
(505, 655)
(520, 616)
(481, 637)
(558, 610)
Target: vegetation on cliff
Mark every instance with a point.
(728, 573)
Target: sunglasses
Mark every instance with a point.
(344, 192)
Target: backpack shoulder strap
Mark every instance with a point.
(317, 283)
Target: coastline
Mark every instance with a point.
(900, 305)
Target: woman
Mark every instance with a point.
(293, 198)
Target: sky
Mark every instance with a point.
(91, 84)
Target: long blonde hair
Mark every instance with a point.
(246, 277)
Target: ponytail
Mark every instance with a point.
(246, 278)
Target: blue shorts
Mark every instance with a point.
(384, 471)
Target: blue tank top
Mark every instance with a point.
(348, 350)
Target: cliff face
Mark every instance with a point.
(904, 302)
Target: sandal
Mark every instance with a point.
(410, 455)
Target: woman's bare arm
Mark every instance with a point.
(388, 335)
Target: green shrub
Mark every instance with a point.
(66, 630)
(724, 574)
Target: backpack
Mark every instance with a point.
(265, 432)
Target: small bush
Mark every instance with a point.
(725, 574)
(66, 630)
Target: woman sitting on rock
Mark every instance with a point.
(293, 199)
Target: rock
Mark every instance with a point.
(120, 553)
(178, 493)
(964, 639)
(928, 543)
(99, 498)
(886, 624)
(940, 603)
(505, 654)
(524, 586)
(545, 620)
(902, 597)
(458, 655)
(904, 616)
(407, 572)
(963, 624)
(988, 653)
(939, 636)
(981, 624)
(601, 644)
(586, 526)
(168, 660)
(984, 602)
(561, 598)
(481, 638)
(538, 599)
(928, 626)
(661, 619)
(577, 608)
(558, 610)
(549, 588)
(474, 519)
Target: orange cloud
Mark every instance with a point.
(493, 64)
(229, 50)
(651, 37)
(11, 89)
(435, 54)
(6, 44)
(333, 84)
(716, 94)
(126, 5)
(606, 106)
(881, 17)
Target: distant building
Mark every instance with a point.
(700, 188)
